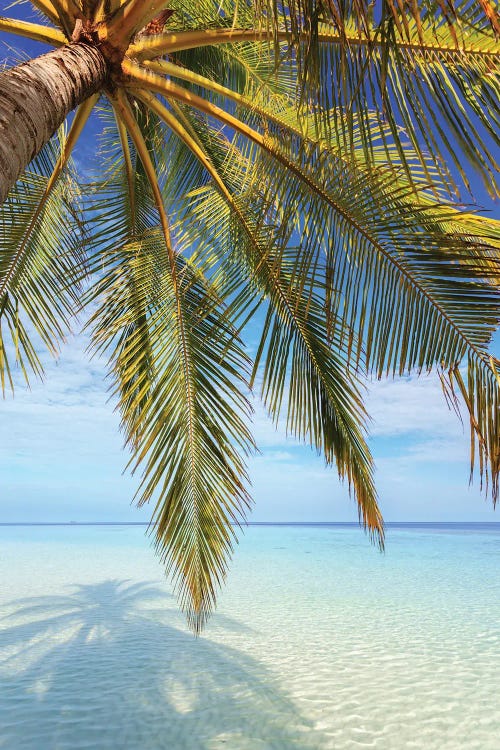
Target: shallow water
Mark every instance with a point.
(319, 642)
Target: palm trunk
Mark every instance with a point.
(35, 98)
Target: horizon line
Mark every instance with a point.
(242, 525)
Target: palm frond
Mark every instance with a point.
(404, 278)
(42, 260)
(180, 374)
(324, 404)
(188, 416)
(431, 81)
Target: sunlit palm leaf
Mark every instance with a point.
(324, 406)
(190, 429)
(436, 74)
(42, 263)
(402, 271)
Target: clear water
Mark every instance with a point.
(319, 642)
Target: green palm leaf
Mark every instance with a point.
(42, 263)
(324, 405)
(402, 282)
(189, 420)
(431, 67)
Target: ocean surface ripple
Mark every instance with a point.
(319, 643)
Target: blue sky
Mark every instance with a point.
(61, 455)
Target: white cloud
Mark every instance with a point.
(271, 456)
(266, 433)
(410, 405)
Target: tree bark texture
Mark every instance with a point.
(35, 98)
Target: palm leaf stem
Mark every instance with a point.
(129, 170)
(125, 115)
(37, 32)
(122, 107)
(161, 44)
(105, 8)
(130, 18)
(49, 9)
(63, 13)
(69, 10)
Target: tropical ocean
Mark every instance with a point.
(319, 642)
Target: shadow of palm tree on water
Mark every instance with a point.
(103, 668)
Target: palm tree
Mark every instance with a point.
(302, 160)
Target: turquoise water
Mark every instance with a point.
(319, 642)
